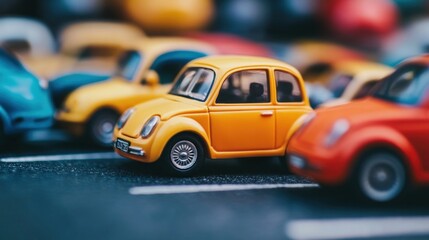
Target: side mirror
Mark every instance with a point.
(151, 79)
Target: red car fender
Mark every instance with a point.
(379, 136)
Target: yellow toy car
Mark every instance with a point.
(354, 80)
(219, 107)
(145, 71)
(95, 46)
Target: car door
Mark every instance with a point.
(289, 103)
(242, 118)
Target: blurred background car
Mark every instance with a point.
(30, 40)
(377, 145)
(88, 37)
(90, 52)
(24, 103)
(96, 46)
(344, 81)
(146, 71)
(354, 80)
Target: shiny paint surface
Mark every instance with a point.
(362, 72)
(374, 124)
(118, 93)
(227, 130)
(24, 104)
(170, 15)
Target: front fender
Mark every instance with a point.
(171, 128)
(371, 138)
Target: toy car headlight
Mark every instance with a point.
(149, 126)
(124, 118)
(340, 127)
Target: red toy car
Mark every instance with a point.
(379, 144)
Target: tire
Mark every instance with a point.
(183, 155)
(381, 177)
(100, 127)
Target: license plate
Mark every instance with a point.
(122, 145)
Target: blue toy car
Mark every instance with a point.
(25, 103)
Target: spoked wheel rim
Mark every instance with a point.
(382, 179)
(184, 155)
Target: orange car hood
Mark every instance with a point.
(362, 111)
(357, 113)
(165, 107)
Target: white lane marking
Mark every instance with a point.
(357, 228)
(175, 189)
(64, 157)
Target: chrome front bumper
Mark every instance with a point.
(137, 151)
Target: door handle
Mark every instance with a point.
(266, 113)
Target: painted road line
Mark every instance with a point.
(62, 157)
(357, 228)
(177, 189)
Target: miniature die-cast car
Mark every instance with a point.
(169, 16)
(352, 80)
(30, 40)
(145, 71)
(378, 144)
(219, 107)
(96, 46)
(314, 58)
(341, 81)
(24, 103)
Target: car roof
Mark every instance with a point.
(357, 66)
(80, 34)
(236, 61)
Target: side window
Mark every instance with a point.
(169, 64)
(248, 86)
(365, 89)
(288, 89)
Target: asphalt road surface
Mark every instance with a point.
(65, 190)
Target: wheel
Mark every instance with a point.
(100, 127)
(183, 155)
(381, 177)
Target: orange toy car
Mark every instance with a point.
(379, 144)
(219, 107)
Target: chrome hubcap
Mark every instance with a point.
(184, 155)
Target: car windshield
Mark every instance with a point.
(129, 64)
(194, 83)
(339, 83)
(407, 85)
